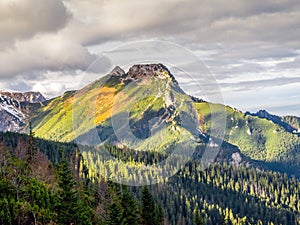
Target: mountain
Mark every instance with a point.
(15, 109)
(256, 137)
(141, 117)
(294, 122)
(289, 123)
(145, 109)
(147, 99)
(27, 97)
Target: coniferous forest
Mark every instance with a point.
(45, 182)
(33, 190)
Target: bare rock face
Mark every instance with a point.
(142, 71)
(15, 109)
(117, 71)
(30, 97)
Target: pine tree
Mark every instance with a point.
(5, 214)
(198, 220)
(159, 215)
(67, 199)
(148, 208)
(130, 208)
(115, 214)
(32, 144)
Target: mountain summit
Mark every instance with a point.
(15, 108)
(145, 109)
(141, 71)
(29, 97)
(117, 71)
(146, 100)
(289, 123)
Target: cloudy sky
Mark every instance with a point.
(251, 47)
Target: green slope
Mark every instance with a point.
(74, 113)
(257, 138)
(155, 110)
(157, 115)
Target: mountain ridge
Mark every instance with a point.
(151, 99)
(29, 96)
(15, 109)
(290, 123)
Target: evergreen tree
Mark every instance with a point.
(115, 214)
(130, 208)
(159, 215)
(148, 208)
(32, 144)
(198, 220)
(68, 205)
(228, 194)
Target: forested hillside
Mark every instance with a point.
(37, 186)
(35, 191)
(257, 138)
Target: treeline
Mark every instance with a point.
(53, 150)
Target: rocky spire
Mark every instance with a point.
(117, 71)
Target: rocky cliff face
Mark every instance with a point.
(143, 71)
(15, 109)
(30, 97)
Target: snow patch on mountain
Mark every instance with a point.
(14, 113)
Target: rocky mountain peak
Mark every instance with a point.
(117, 71)
(15, 109)
(141, 71)
(275, 119)
(263, 113)
(30, 97)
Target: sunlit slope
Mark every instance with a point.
(145, 109)
(257, 138)
(144, 112)
(90, 106)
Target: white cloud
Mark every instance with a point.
(44, 52)
(55, 83)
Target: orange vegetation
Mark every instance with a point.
(104, 104)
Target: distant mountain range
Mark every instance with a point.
(16, 109)
(159, 114)
(290, 123)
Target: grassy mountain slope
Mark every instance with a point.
(150, 106)
(55, 120)
(145, 109)
(258, 138)
(293, 121)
